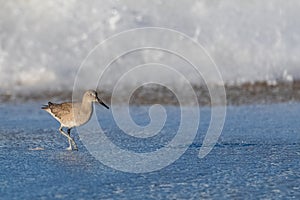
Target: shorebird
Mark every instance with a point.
(70, 115)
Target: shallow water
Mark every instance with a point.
(257, 156)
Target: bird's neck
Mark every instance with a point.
(86, 106)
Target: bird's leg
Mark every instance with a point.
(69, 137)
(70, 142)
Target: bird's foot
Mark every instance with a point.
(75, 147)
(69, 148)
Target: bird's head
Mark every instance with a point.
(93, 97)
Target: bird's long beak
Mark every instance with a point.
(101, 102)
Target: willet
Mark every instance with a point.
(70, 115)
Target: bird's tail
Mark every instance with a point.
(45, 107)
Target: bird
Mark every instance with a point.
(71, 115)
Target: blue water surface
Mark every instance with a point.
(257, 156)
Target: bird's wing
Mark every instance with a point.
(59, 110)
